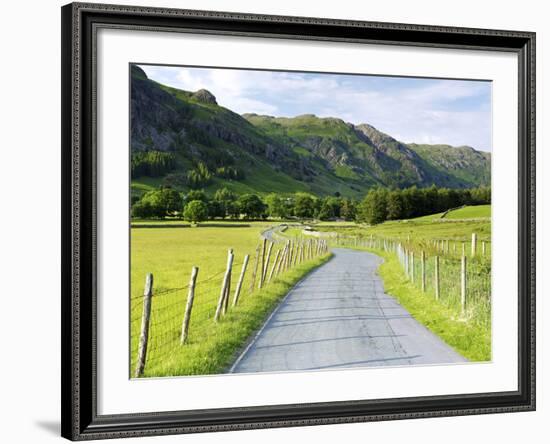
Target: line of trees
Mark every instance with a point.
(160, 163)
(378, 205)
(152, 163)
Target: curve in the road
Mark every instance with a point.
(340, 317)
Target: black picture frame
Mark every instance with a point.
(80, 420)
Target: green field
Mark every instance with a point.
(468, 212)
(170, 253)
(169, 249)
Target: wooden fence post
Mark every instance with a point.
(474, 244)
(228, 286)
(282, 261)
(463, 248)
(189, 305)
(274, 265)
(423, 270)
(145, 318)
(463, 285)
(240, 283)
(436, 277)
(412, 267)
(255, 270)
(266, 266)
(483, 248)
(289, 255)
(261, 281)
(225, 286)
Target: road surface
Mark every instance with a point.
(340, 317)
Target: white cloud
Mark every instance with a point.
(424, 111)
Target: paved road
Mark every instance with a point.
(340, 317)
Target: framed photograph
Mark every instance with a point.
(280, 221)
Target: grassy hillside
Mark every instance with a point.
(266, 154)
(470, 212)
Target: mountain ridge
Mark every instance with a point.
(302, 153)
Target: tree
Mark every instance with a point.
(330, 208)
(373, 208)
(395, 205)
(304, 205)
(162, 202)
(142, 210)
(196, 195)
(224, 194)
(413, 202)
(152, 163)
(348, 209)
(199, 176)
(215, 209)
(251, 206)
(226, 200)
(430, 200)
(276, 206)
(195, 211)
(481, 195)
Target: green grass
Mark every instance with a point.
(472, 339)
(470, 212)
(346, 172)
(170, 253)
(421, 230)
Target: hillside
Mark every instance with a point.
(253, 153)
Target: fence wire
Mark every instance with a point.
(476, 306)
(168, 305)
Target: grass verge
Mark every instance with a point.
(213, 347)
(471, 340)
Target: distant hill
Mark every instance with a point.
(253, 153)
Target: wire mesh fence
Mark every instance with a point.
(184, 316)
(457, 273)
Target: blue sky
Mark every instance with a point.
(454, 112)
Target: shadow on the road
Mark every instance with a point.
(309, 321)
(372, 307)
(349, 294)
(343, 298)
(369, 361)
(316, 341)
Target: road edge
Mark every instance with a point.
(254, 338)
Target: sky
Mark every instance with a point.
(419, 110)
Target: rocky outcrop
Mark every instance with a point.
(205, 96)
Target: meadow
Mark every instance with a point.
(169, 249)
(170, 253)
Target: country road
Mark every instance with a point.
(340, 317)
